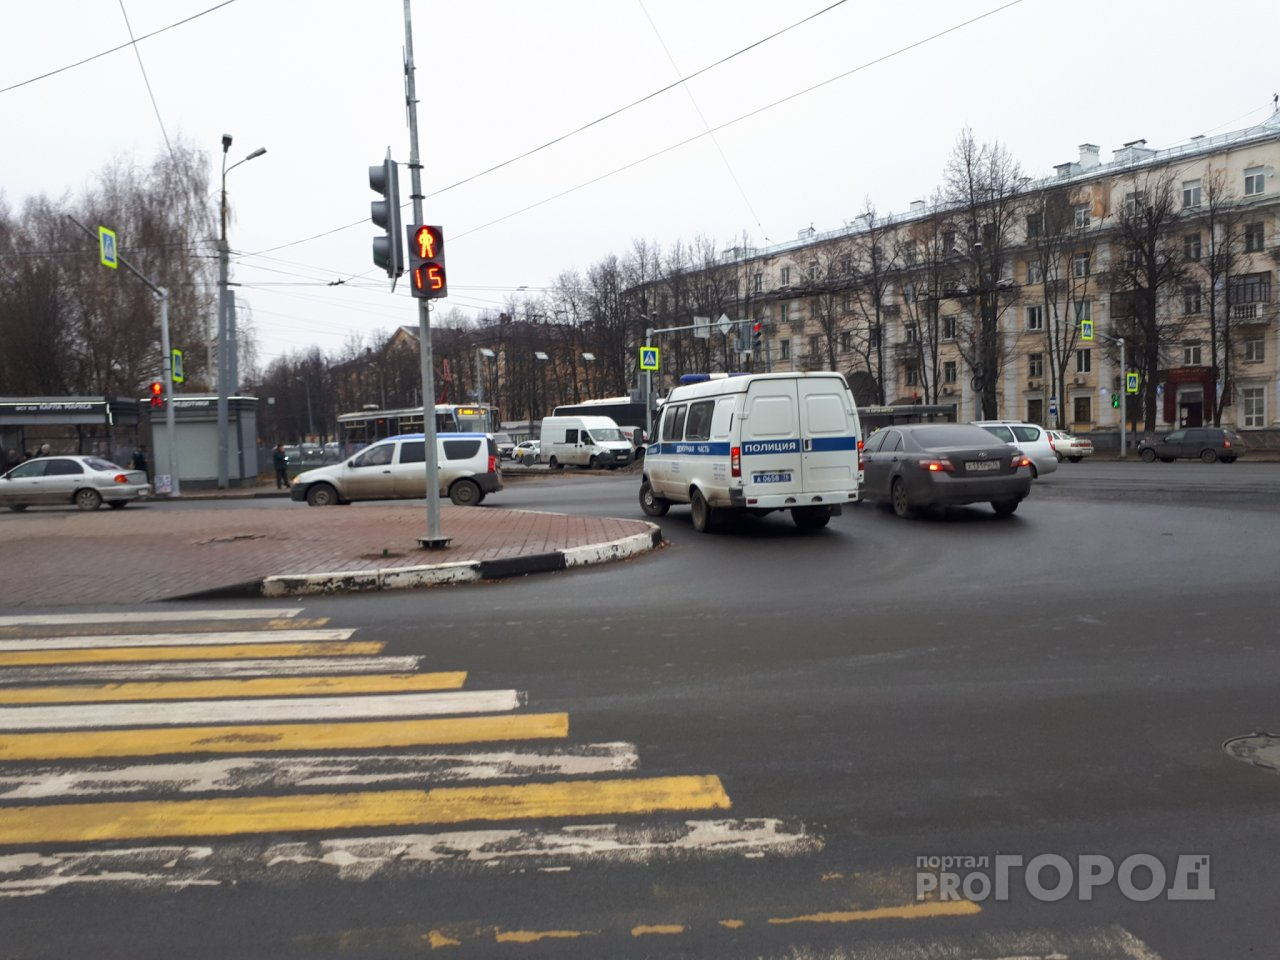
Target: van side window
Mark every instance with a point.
(698, 425)
(376, 456)
(673, 423)
(571, 435)
(461, 449)
(722, 419)
(586, 438)
(413, 451)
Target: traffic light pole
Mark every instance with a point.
(434, 540)
(1124, 391)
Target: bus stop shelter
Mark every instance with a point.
(108, 427)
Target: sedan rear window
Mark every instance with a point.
(955, 435)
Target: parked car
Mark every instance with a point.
(506, 446)
(87, 482)
(394, 469)
(1206, 443)
(1070, 448)
(1031, 438)
(528, 452)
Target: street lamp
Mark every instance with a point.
(227, 347)
(542, 383)
(481, 352)
(589, 358)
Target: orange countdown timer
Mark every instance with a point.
(427, 273)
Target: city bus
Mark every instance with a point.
(357, 430)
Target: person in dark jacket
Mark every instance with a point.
(280, 460)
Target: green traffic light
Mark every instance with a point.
(1115, 401)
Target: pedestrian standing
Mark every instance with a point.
(280, 460)
(44, 450)
(139, 459)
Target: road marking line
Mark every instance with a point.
(357, 859)
(196, 669)
(233, 816)
(910, 911)
(172, 639)
(277, 709)
(281, 774)
(438, 939)
(733, 924)
(215, 689)
(231, 651)
(357, 735)
(661, 929)
(533, 936)
(149, 616)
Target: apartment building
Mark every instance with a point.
(1012, 305)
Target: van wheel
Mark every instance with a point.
(593, 464)
(652, 504)
(810, 518)
(465, 493)
(703, 514)
(555, 464)
(1148, 455)
(322, 495)
(898, 497)
(1208, 456)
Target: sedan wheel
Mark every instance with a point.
(1035, 474)
(1004, 508)
(1208, 456)
(1148, 455)
(88, 499)
(898, 497)
(1075, 459)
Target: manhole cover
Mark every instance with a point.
(1259, 749)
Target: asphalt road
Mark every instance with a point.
(1059, 682)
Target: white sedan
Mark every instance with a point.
(87, 482)
(1070, 448)
(528, 452)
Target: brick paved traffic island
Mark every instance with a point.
(146, 552)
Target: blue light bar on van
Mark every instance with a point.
(687, 378)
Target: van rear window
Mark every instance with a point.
(461, 449)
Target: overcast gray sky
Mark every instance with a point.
(319, 84)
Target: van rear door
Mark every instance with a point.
(771, 449)
(829, 435)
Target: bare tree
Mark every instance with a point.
(875, 262)
(924, 278)
(1216, 262)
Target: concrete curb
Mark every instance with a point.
(437, 574)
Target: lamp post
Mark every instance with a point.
(226, 338)
(589, 359)
(542, 358)
(481, 352)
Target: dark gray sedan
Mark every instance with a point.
(938, 464)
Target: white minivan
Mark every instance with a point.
(584, 441)
(755, 444)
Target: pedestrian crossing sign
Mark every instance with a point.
(175, 366)
(1131, 382)
(1086, 329)
(649, 357)
(107, 248)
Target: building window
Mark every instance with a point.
(948, 328)
(846, 341)
(1035, 318)
(1253, 237)
(813, 270)
(1084, 361)
(1191, 246)
(1255, 406)
(909, 251)
(1082, 410)
(784, 276)
(913, 333)
(1191, 193)
(1080, 265)
(1035, 273)
(1083, 213)
(846, 265)
(1190, 298)
(1133, 258)
(1035, 225)
(1253, 181)
(873, 337)
(784, 348)
(949, 372)
(1191, 354)
(846, 303)
(1255, 350)
(1133, 204)
(1251, 288)
(1035, 364)
(948, 241)
(757, 282)
(913, 376)
(1084, 310)
(815, 345)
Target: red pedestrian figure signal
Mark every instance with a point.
(426, 266)
(157, 393)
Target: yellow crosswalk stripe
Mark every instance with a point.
(231, 651)
(259, 738)
(220, 689)
(230, 816)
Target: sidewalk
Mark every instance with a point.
(145, 552)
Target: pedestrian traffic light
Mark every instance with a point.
(1115, 400)
(157, 393)
(757, 336)
(387, 252)
(426, 262)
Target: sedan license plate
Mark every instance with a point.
(974, 466)
(777, 477)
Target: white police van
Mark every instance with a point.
(754, 444)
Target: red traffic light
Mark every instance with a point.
(157, 393)
(427, 276)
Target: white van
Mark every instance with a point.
(755, 444)
(584, 441)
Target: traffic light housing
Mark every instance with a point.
(757, 336)
(157, 393)
(1115, 400)
(427, 278)
(387, 252)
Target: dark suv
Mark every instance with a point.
(1207, 443)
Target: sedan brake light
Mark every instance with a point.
(120, 478)
(1019, 459)
(937, 465)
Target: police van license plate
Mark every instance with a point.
(972, 465)
(783, 476)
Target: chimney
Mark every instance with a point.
(1089, 156)
(917, 206)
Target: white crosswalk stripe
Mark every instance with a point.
(207, 669)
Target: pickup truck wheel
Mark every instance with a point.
(322, 495)
(652, 504)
